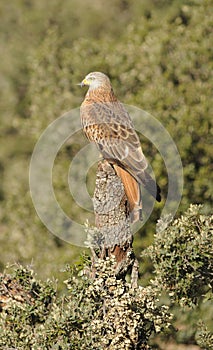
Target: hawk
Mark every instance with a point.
(106, 122)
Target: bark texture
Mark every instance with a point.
(112, 217)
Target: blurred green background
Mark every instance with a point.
(158, 54)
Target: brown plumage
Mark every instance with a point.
(106, 122)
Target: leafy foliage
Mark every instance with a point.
(100, 311)
(104, 313)
(25, 303)
(204, 337)
(183, 257)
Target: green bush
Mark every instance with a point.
(103, 312)
(100, 313)
(182, 256)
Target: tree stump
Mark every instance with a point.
(112, 218)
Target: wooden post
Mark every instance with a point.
(113, 222)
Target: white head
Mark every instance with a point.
(95, 80)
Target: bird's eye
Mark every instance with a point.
(92, 78)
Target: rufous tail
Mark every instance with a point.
(133, 193)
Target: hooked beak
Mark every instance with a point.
(80, 84)
(83, 83)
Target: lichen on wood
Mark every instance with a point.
(112, 235)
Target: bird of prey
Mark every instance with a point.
(106, 122)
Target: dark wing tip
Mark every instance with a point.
(151, 186)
